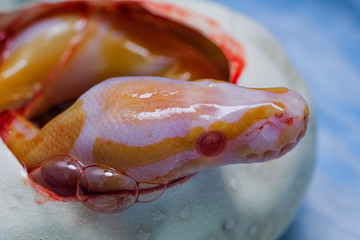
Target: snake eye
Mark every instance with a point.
(211, 144)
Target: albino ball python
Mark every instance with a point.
(127, 139)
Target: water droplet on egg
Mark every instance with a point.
(229, 224)
(12, 205)
(233, 184)
(142, 235)
(158, 215)
(18, 194)
(211, 238)
(185, 212)
(253, 230)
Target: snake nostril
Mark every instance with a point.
(279, 115)
(289, 121)
(57, 176)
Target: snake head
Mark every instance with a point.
(157, 129)
(232, 124)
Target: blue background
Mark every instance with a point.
(322, 40)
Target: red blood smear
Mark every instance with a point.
(233, 52)
(6, 118)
